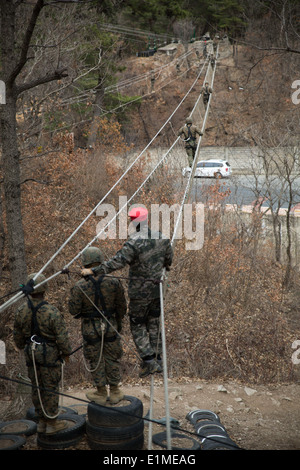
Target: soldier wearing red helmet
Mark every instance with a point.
(147, 253)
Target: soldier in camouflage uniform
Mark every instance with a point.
(190, 131)
(146, 253)
(206, 92)
(101, 341)
(39, 329)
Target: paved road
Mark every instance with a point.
(245, 189)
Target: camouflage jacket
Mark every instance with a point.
(51, 325)
(206, 91)
(190, 133)
(147, 253)
(83, 300)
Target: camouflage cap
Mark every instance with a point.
(92, 255)
(40, 278)
(189, 120)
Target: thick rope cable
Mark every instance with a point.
(161, 292)
(162, 322)
(100, 352)
(129, 81)
(134, 31)
(145, 95)
(150, 93)
(186, 195)
(19, 295)
(161, 285)
(161, 289)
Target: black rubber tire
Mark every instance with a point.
(66, 437)
(125, 437)
(11, 442)
(123, 433)
(200, 415)
(116, 416)
(136, 443)
(162, 436)
(18, 427)
(216, 441)
(209, 427)
(30, 414)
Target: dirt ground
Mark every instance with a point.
(255, 417)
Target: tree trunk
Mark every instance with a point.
(10, 152)
(12, 191)
(2, 235)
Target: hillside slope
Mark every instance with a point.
(251, 94)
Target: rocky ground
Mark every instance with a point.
(255, 417)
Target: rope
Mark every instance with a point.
(106, 319)
(114, 409)
(185, 197)
(129, 81)
(19, 295)
(38, 388)
(100, 352)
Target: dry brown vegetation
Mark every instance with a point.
(227, 314)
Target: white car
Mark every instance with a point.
(210, 169)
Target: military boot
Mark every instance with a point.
(42, 424)
(115, 395)
(99, 396)
(150, 367)
(55, 425)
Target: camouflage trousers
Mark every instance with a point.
(190, 154)
(205, 101)
(144, 318)
(48, 378)
(108, 371)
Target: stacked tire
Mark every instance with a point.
(212, 433)
(118, 427)
(66, 437)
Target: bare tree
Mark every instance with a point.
(14, 58)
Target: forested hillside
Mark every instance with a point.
(79, 100)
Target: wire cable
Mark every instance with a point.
(114, 409)
(185, 197)
(19, 295)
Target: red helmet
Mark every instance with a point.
(138, 213)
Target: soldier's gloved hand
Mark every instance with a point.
(28, 288)
(66, 359)
(86, 272)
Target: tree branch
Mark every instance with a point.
(57, 75)
(35, 181)
(270, 48)
(27, 38)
